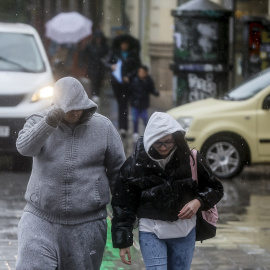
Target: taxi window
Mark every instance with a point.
(250, 88)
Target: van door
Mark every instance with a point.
(264, 127)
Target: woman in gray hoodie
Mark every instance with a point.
(155, 185)
(77, 154)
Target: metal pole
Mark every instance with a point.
(72, 5)
(58, 6)
(123, 8)
(141, 22)
(86, 7)
(234, 43)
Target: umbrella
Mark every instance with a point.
(68, 27)
(134, 44)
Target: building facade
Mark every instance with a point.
(152, 23)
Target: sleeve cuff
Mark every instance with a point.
(201, 201)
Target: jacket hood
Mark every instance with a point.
(159, 125)
(69, 94)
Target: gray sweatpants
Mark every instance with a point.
(47, 246)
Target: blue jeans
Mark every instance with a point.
(163, 254)
(136, 114)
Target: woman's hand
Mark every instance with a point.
(123, 252)
(113, 67)
(190, 209)
(54, 117)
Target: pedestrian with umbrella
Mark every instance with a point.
(65, 31)
(68, 27)
(123, 61)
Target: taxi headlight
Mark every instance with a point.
(43, 93)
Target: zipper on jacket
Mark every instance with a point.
(68, 179)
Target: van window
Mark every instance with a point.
(250, 88)
(19, 52)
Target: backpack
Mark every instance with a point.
(206, 223)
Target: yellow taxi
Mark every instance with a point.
(232, 131)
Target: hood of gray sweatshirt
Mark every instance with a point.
(69, 95)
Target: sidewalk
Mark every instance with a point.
(232, 248)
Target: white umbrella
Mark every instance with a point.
(68, 27)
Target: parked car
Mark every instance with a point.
(26, 81)
(232, 131)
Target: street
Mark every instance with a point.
(243, 234)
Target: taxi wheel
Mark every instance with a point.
(225, 155)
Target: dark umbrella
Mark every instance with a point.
(134, 44)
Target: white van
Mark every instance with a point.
(26, 80)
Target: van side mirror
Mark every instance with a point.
(266, 103)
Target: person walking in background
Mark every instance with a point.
(123, 61)
(77, 154)
(141, 87)
(94, 54)
(155, 185)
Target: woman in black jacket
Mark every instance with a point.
(123, 61)
(156, 186)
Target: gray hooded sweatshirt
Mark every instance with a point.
(73, 169)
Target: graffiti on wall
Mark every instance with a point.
(194, 86)
(196, 41)
(201, 87)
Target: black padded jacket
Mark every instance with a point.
(144, 190)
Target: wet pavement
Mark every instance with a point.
(243, 234)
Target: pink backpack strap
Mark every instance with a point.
(211, 216)
(193, 165)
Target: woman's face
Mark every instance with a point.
(73, 117)
(124, 46)
(164, 145)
